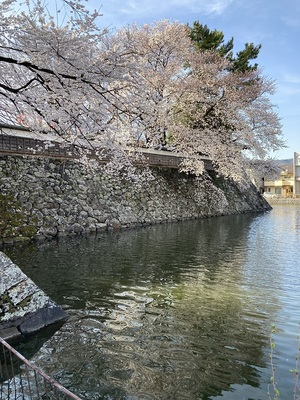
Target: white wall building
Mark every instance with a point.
(297, 173)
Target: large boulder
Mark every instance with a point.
(24, 307)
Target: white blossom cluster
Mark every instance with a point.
(139, 86)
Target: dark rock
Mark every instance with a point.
(23, 305)
(10, 333)
(41, 318)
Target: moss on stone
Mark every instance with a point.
(14, 220)
(28, 231)
(6, 305)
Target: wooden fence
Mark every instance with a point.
(17, 141)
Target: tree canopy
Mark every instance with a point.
(206, 39)
(164, 84)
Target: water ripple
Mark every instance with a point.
(179, 311)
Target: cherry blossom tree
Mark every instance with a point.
(194, 102)
(64, 76)
(230, 117)
(55, 75)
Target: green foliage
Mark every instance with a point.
(241, 62)
(205, 39)
(275, 391)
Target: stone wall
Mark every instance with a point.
(42, 198)
(282, 200)
(24, 308)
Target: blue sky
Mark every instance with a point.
(275, 24)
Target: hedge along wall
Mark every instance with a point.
(41, 198)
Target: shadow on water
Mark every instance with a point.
(164, 312)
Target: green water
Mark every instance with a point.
(178, 311)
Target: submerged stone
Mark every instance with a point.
(23, 305)
(10, 333)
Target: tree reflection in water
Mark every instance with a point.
(165, 312)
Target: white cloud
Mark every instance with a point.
(291, 21)
(144, 8)
(289, 78)
(204, 6)
(285, 93)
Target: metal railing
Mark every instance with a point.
(21, 380)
